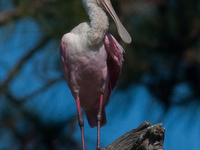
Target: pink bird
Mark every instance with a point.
(91, 61)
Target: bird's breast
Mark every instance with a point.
(90, 64)
(87, 68)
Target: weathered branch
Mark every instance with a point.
(145, 137)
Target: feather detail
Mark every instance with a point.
(114, 59)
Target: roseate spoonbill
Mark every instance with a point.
(91, 61)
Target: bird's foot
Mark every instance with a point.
(98, 148)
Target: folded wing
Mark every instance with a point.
(114, 60)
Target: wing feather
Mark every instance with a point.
(114, 59)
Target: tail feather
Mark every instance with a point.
(92, 118)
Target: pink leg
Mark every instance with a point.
(99, 121)
(81, 122)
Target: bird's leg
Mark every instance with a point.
(81, 122)
(99, 121)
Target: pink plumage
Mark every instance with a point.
(114, 64)
(91, 61)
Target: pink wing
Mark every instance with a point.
(63, 57)
(114, 59)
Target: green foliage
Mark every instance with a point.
(55, 22)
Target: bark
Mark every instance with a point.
(145, 137)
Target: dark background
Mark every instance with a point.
(159, 82)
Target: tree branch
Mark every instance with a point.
(22, 10)
(145, 137)
(42, 89)
(22, 61)
(9, 15)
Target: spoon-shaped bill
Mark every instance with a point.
(121, 30)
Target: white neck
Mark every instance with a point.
(98, 22)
